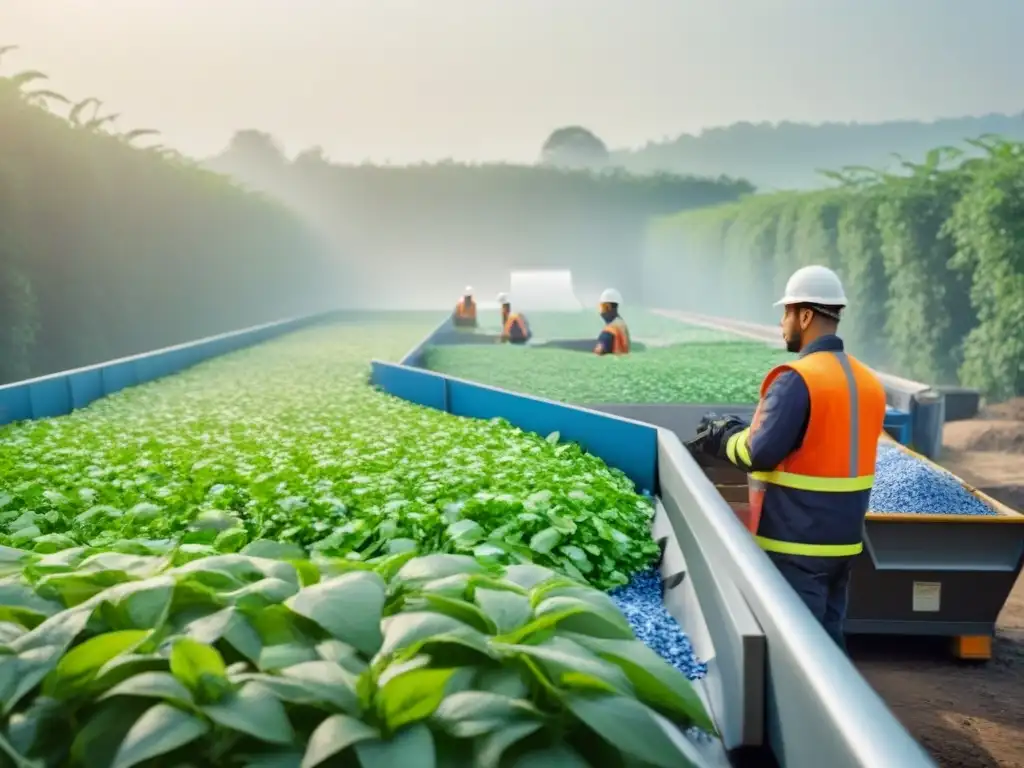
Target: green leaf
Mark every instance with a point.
(97, 740)
(282, 759)
(561, 755)
(342, 654)
(528, 575)
(161, 729)
(80, 666)
(274, 550)
(400, 546)
(336, 733)
(412, 696)
(656, 682)
(253, 710)
(468, 714)
(632, 728)
(545, 541)
(337, 684)
(576, 615)
(285, 655)
(350, 607)
(432, 567)
(404, 629)
(490, 749)
(559, 656)
(457, 608)
(412, 747)
(192, 662)
(507, 610)
(465, 533)
(158, 685)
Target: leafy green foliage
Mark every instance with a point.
(283, 448)
(235, 660)
(929, 258)
(107, 249)
(728, 372)
(987, 227)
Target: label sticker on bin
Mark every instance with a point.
(927, 596)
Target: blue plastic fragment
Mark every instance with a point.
(905, 483)
(641, 603)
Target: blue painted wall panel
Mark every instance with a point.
(155, 367)
(629, 446)
(50, 397)
(15, 403)
(85, 386)
(118, 376)
(410, 384)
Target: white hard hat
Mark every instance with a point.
(611, 296)
(503, 298)
(469, 290)
(814, 285)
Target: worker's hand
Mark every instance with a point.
(713, 429)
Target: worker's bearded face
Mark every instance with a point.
(794, 323)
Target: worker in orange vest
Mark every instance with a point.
(465, 311)
(614, 339)
(514, 328)
(809, 450)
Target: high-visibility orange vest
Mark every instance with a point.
(466, 310)
(620, 333)
(838, 451)
(511, 321)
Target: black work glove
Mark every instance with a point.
(713, 431)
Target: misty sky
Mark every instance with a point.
(489, 79)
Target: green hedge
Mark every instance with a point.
(932, 260)
(107, 249)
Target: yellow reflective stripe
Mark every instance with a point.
(809, 550)
(737, 450)
(811, 483)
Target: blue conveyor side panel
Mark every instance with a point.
(412, 384)
(15, 403)
(86, 386)
(118, 376)
(50, 397)
(627, 445)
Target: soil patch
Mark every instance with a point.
(985, 434)
(1011, 410)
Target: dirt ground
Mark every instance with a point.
(967, 715)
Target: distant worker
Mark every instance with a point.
(614, 339)
(810, 449)
(465, 311)
(514, 328)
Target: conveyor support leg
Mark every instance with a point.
(973, 647)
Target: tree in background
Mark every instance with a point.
(574, 147)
